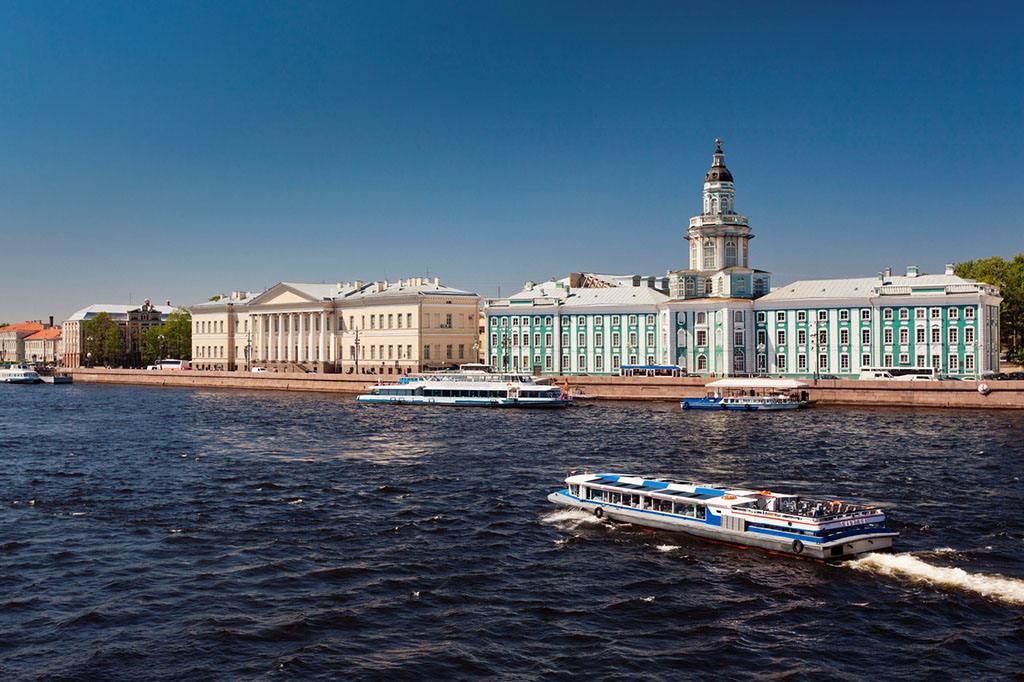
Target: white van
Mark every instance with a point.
(171, 365)
(874, 374)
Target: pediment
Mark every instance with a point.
(282, 294)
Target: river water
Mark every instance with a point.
(170, 533)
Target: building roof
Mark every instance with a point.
(413, 286)
(718, 172)
(864, 287)
(48, 334)
(116, 311)
(620, 291)
(30, 327)
(407, 288)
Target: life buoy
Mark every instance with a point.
(599, 512)
(798, 547)
(983, 388)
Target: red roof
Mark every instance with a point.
(23, 327)
(48, 334)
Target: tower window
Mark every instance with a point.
(730, 253)
(709, 255)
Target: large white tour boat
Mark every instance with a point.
(825, 530)
(471, 386)
(748, 395)
(18, 375)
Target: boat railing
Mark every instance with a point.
(810, 515)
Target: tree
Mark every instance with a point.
(104, 341)
(1008, 275)
(177, 338)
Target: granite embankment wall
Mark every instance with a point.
(1003, 394)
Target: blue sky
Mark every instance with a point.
(174, 150)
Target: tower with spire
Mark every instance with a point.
(719, 240)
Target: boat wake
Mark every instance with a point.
(570, 519)
(908, 566)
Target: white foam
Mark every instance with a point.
(1010, 590)
(570, 518)
(666, 548)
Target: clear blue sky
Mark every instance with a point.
(178, 149)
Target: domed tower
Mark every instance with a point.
(719, 236)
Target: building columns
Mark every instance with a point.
(301, 350)
(323, 337)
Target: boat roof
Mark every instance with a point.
(667, 489)
(757, 382)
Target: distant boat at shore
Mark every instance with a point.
(749, 395)
(19, 375)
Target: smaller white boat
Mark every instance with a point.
(749, 395)
(17, 374)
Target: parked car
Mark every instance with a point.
(258, 369)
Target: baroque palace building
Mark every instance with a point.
(386, 327)
(719, 316)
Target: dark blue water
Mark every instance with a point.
(169, 534)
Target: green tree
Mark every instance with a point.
(104, 341)
(176, 342)
(1008, 275)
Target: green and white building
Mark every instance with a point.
(719, 316)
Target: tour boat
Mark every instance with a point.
(18, 375)
(471, 386)
(749, 395)
(824, 530)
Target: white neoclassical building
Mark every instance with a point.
(385, 327)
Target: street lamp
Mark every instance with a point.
(506, 342)
(88, 351)
(160, 354)
(248, 349)
(356, 347)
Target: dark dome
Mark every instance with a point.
(718, 174)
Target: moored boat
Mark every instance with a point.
(747, 395)
(471, 386)
(825, 530)
(16, 374)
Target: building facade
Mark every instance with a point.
(384, 327)
(719, 316)
(43, 347)
(13, 338)
(133, 321)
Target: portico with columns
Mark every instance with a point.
(386, 327)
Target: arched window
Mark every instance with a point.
(709, 255)
(702, 363)
(714, 204)
(702, 318)
(690, 287)
(730, 253)
(708, 284)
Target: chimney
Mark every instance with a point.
(168, 303)
(950, 269)
(911, 271)
(386, 284)
(887, 272)
(51, 321)
(636, 280)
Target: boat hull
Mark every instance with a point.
(719, 406)
(534, 403)
(21, 381)
(848, 547)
